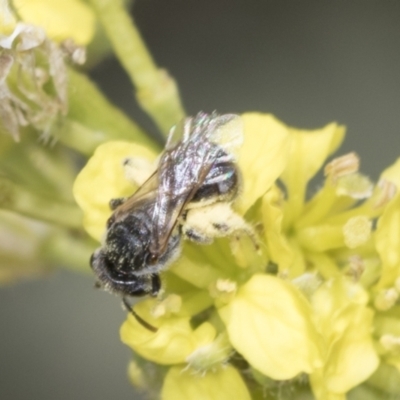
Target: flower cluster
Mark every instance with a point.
(316, 305)
(312, 311)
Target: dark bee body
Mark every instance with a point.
(144, 233)
(123, 265)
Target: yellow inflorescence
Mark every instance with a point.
(314, 300)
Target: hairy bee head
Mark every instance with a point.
(125, 265)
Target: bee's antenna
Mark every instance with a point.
(138, 317)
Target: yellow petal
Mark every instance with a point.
(272, 214)
(268, 323)
(353, 357)
(392, 174)
(335, 197)
(308, 152)
(345, 324)
(387, 242)
(223, 384)
(103, 179)
(61, 19)
(319, 389)
(193, 268)
(174, 341)
(299, 263)
(324, 264)
(262, 157)
(136, 375)
(212, 356)
(332, 299)
(387, 236)
(203, 265)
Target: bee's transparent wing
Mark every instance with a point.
(191, 151)
(228, 133)
(225, 130)
(145, 195)
(179, 133)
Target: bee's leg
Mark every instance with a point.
(203, 224)
(137, 316)
(138, 169)
(196, 235)
(114, 203)
(155, 284)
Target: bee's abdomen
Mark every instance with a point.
(221, 183)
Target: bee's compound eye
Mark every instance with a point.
(151, 259)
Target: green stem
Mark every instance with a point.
(32, 166)
(20, 200)
(92, 119)
(157, 92)
(79, 137)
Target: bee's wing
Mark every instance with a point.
(191, 150)
(225, 130)
(145, 195)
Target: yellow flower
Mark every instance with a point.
(175, 339)
(301, 303)
(269, 323)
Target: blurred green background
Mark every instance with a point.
(307, 62)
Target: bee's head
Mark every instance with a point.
(126, 246)
(125, 265)
(121, 282)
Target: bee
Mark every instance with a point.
(188, 196)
